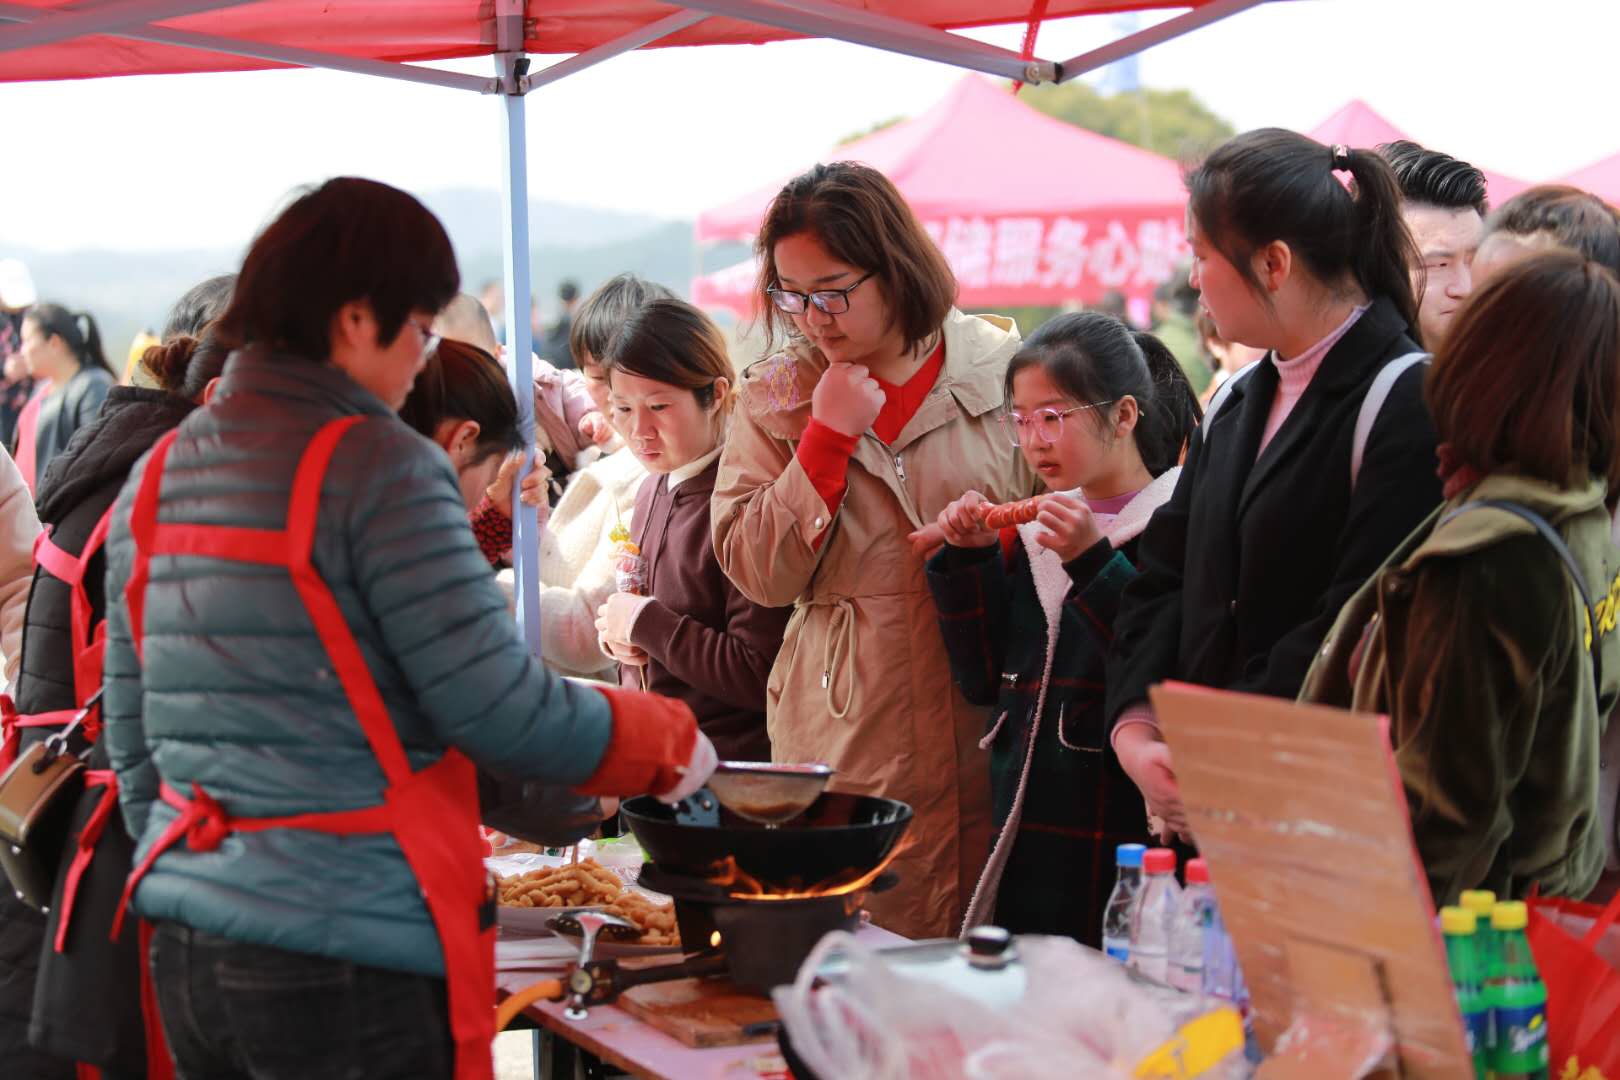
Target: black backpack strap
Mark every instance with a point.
(1550, 534)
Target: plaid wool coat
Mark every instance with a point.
(1061, 802)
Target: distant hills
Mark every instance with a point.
(127, 291)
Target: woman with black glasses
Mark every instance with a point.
(848, 442)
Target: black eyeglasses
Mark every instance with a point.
(827, 301)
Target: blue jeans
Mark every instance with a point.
(248, 1012)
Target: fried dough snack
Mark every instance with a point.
(1021, 512)
(590, 884)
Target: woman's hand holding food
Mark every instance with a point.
(962, 522)
(1070, 528)
(614, 620)
(596, 427)
(847, 398)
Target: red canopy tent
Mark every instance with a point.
(82, 39)
(1064, 215)
(1601, 178)
(1357, 124)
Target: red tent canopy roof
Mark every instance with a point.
(416, 30)
(1359, 125)
(980, 150)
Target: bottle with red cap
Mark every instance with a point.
(1193, 920)
(1155, 917)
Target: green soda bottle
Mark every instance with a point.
(1482, 902)
(1468, 979)
(1518, 999)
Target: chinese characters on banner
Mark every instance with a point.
(1056, 259)
(1023, 260)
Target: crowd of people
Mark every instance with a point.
(271, 594)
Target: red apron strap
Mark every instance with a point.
(12, 723)
(71, 570)
(330, 625)
(159, 1063)
(89, 836)
(268, 546)
(142, 528)
(204, 825)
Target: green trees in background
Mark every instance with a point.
(1169, 122)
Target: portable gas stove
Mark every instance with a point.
(752, 899)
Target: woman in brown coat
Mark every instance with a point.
(847, 442)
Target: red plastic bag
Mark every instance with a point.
(1577, 949)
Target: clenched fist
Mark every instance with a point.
(847, 398)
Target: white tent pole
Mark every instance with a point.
(1212, 12)
(820, 18)
(54, 25)
(512, 66)
(276, 54)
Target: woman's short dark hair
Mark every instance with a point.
(1528, 376)
(860, 217)
(1094, 357)
(605, 310)
(1273, 184)
(670, 341)
(1570, 217)
(463, 382)
(185, 365)
(347, 240)
(78, 331)
(203, 303)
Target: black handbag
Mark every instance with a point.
(37, 797)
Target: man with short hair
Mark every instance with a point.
(1444, 207)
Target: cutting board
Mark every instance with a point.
(700, 1012)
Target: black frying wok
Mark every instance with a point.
(840, 837)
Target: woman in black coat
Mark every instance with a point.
(1283, 508)
(83, 1002)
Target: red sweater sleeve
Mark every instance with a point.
(652, 737)
(825, 455)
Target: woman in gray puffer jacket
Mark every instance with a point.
(292, 735)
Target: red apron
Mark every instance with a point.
(87, 642)
(432, 814)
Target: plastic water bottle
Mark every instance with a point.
(1468, 980)
(1155, 915)
(1116, 930)
(1193, 920)
(1518, 999)
(1223, 978)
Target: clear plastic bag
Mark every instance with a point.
(1080, 1017)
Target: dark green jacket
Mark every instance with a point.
(238, 695)
(1472, 639)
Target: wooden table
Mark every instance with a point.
(621, 1040)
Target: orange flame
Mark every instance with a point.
(742, 885)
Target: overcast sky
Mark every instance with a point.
(202, 160)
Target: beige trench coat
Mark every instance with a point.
(862, 681)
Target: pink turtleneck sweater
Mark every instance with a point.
(1293, 376)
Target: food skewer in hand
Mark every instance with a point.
(1006, 515)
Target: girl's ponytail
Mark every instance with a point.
(1272, 184)
(91, 355)
(1171, 414)
(1384, 250)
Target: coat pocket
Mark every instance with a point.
(1080, 725)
